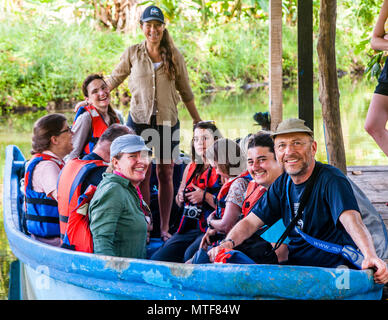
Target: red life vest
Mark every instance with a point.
(253, 194)
(74, 226)
(201, 181)
(98, 126)
(221, 197)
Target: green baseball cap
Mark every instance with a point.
(292, 125)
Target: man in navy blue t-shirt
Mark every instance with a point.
(331, 213)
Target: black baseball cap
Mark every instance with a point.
(152, 13)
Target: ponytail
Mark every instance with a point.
(166, 52)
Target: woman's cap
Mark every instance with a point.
(128, 143)
(152, 13)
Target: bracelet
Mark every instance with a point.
(228, 239)
(209, 225)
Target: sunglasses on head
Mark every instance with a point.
(213, 122)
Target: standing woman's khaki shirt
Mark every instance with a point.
(152, 88)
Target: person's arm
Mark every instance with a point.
(179, 196)
(377, 41)
(104, 215)
(196, 196)
(45, 178)
(233, 208)
(190, 105)
(354, 226)
(120, 72)
(228, 220)
(182, 84)
(81, 131)
(240, 232)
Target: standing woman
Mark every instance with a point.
(118, 222)
(51, 142)
(156, 71)
(377, 116)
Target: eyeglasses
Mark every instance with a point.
(66, 130)
(203, 138)
(296, 145)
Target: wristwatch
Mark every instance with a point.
(228, 239)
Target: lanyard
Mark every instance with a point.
(347, 251)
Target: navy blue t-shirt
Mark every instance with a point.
(331, 195)
(94, 177)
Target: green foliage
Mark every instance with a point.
(374, 66)
(45, 57)
(44, 60)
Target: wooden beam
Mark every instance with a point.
(275, 63)
(305, 62)
(328, 85)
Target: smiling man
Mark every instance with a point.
(331, 213)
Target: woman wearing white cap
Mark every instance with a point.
(157, 72)
(118, 215)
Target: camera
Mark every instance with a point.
(192, 212)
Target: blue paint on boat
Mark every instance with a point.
(47, 272)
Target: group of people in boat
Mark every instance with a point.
(264, 199)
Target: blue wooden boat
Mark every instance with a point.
(46, 272)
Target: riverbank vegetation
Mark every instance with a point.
(48, 47)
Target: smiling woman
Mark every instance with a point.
(118, 223)
(94, 118)
(51, 142)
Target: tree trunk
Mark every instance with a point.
(328, 85)
(123, 16)
(275, 64)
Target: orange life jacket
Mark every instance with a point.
(98, 126)
(209, 180)
(253, 194)
(74, 226)
(221, 197)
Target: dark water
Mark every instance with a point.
(233, 113)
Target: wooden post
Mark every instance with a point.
(328, 85)
(275, 63)
(305, 63)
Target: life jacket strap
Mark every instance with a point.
(49, 202)
(42, 219)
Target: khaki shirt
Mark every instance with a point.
(151, 89)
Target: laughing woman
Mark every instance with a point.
(93, 116)
(117, 220)
(157, 73)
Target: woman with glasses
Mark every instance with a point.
(156, 73)
(119, 218)
(93, 117)
(51, 142)
(196, 198)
